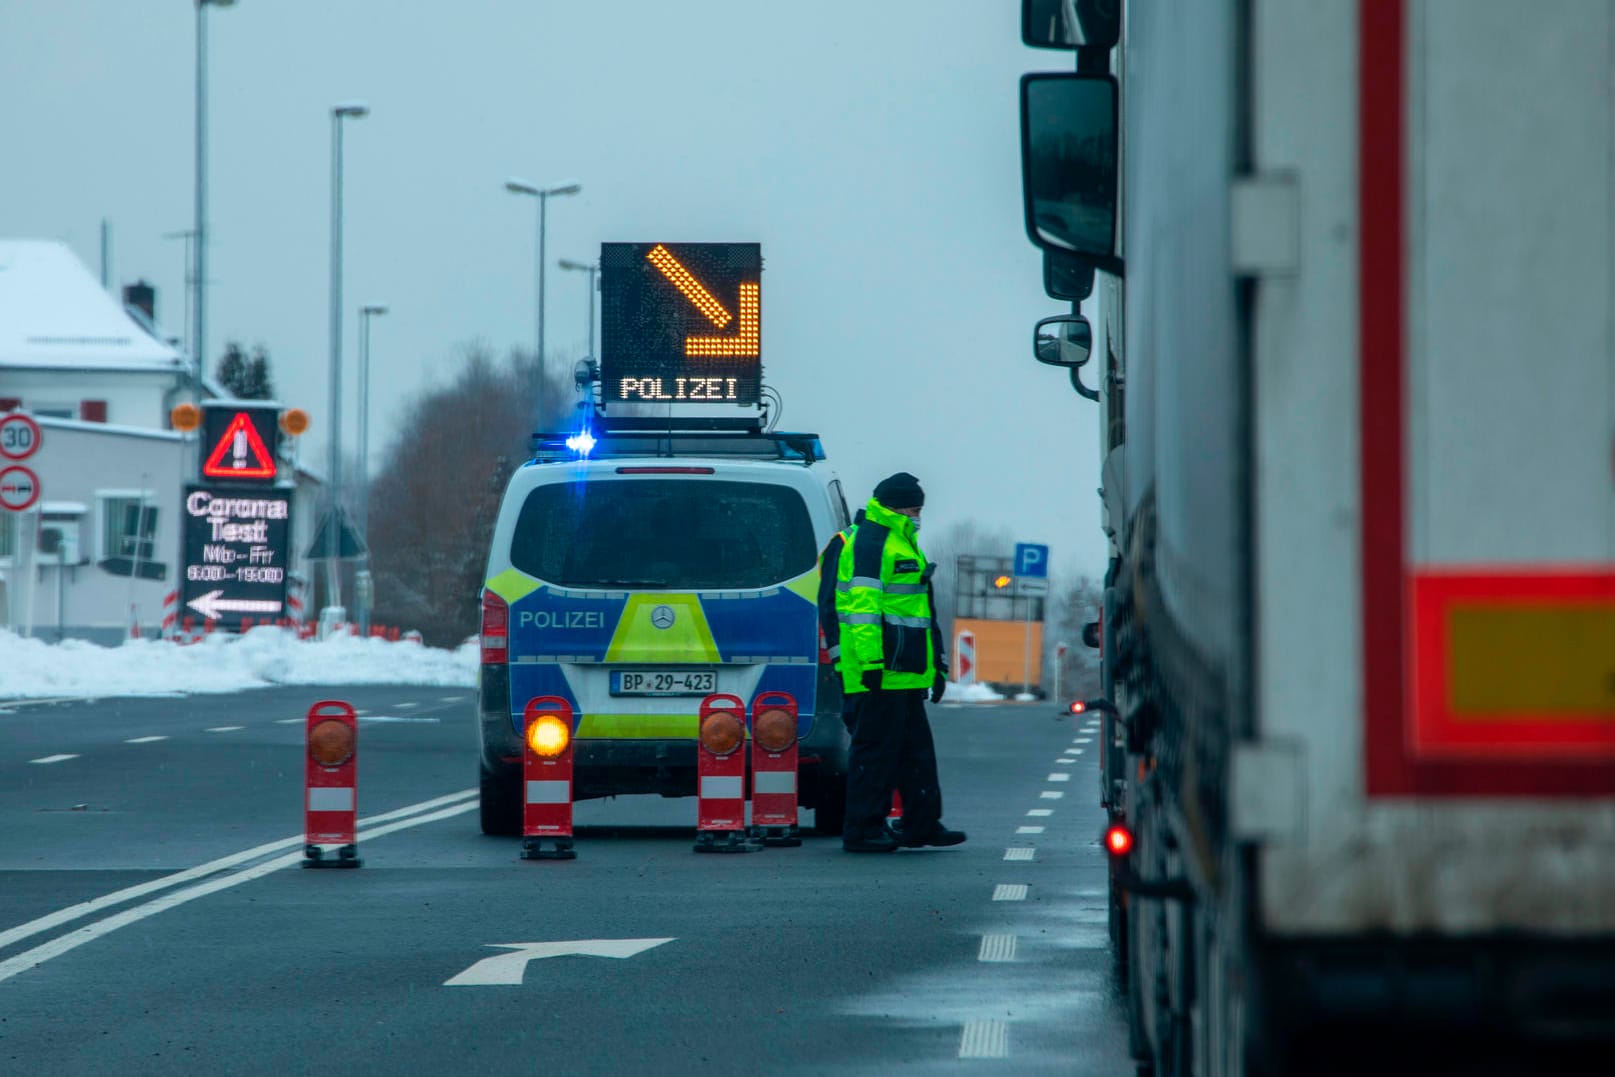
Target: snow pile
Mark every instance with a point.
(222, 663)
(969, 693)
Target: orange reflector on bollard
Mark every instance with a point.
(721, 777)
(773, 769)
(331, 785)
(547, 779)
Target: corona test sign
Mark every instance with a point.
(236, 548)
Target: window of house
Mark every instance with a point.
(128, 529)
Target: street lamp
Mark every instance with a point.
(366, 596)
(591, 269)
(189, 236)
(199, 345)
(333, 546)
(543, 194)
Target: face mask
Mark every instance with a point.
(916, 520)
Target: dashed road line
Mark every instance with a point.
(1041, 813)
(1063, 762)
(1060, 776)
(996, 948)
(54, 758)
(1083, 740)
(405, 706)
(1029, 830)
(290, 721)
(225, 728)
(984, 1039)
(1019, 853)
(1051, 794)
(1010, 892)
(144, 740)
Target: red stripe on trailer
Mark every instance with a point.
(774, 772)
(548, 726)
(1397, 763)
(331, 784)
(721, 778)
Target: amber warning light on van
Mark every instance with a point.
(681, 322)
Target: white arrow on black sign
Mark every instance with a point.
(211, 605)
(505, 969)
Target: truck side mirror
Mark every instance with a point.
(1069, 155)
(1065, 276)
(1063, 340)
(1070, 24)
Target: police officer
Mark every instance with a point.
(891, 656)
(829, 623)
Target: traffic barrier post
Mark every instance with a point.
(721, 777)
(773, 769)
(331, 785)
(547, 779)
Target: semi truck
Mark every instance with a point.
(1353, 342)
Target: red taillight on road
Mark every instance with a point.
(495, 629)
(1078, 706)
(1118, 840)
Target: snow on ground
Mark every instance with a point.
(262, 658)
(969, 693)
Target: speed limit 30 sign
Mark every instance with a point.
(19, 436)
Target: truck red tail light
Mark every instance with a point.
(1118, 840)
(495, 629)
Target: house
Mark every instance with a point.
(100, 382)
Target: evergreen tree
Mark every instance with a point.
(232, 369)
(258, 384)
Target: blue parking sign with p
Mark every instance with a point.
(1031, 560)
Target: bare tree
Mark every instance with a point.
(435, 499)
(1074, 606)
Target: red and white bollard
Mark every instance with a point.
(331, 785)
(896, 814)
(773, 769)
(721, 777)
(547, 779)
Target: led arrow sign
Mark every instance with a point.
(681, 322)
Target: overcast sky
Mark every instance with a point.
(872, 149)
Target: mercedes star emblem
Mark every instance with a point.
(662, 617)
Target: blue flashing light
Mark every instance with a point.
(582, 442)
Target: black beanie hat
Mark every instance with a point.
(900, 491)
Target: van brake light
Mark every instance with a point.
(666, 471)
(495, 630)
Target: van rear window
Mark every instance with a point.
(664, 533)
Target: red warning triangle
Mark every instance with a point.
(240, 453)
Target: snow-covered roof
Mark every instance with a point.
(54, 315)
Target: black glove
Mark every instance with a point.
(871, 679)
(939, 686)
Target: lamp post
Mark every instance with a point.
(543, 194)
(189, 236)
(591, 269)
(199, 344)
(366, 584)
(333, 547)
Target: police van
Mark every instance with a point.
(635, 570)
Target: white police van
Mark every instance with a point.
(635, 570)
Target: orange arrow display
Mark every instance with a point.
(240, 453)
(747, 341)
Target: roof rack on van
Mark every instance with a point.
(641, 436)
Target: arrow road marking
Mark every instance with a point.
(508, 969)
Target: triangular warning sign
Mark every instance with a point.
(240, 453)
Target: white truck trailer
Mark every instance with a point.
(1355, 334)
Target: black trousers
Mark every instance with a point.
(892, 749)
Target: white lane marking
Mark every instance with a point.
(1059, 776)
(74, 939)
(1076, 751)
(1029, 830)
(1019, 853)
(508, 969)
(1063, 761)
(118, 897)
(1083, 740)
(359, 710)
(1051, 794)
(451, 699)
(405, 706)
(144, 740)
(47, 702)
(289, 721)
(226, 728)
(984, 1039)
(996, 948)
(1010, 892)
(54, 758)
(1040, 813)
